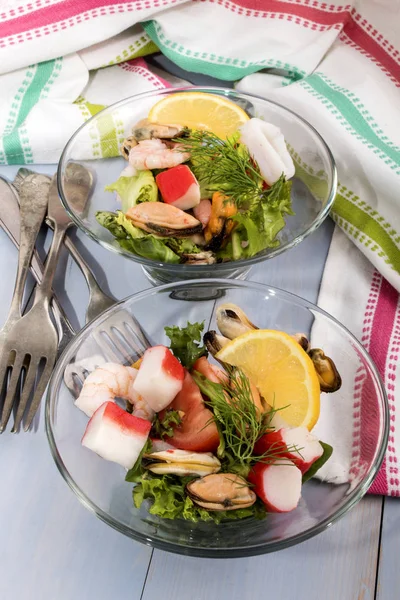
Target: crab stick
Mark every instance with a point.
(277, 485)
(179, 187)
(116, 435)
(160, 377)
(296, 444)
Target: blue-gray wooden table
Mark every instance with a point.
(52, 548)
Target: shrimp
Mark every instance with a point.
(202, 211)
(154, 154)
(267, 147)
(108, 382)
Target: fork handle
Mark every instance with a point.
(33, 205)
(44, 292)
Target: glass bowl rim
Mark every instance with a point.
(198, 269)
(200, 551)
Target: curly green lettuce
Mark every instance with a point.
(135, 189)
(185, 343)
(137, 241)
(168, 499)
(258, 226)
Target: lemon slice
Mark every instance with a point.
(282, 371)
(199, 110)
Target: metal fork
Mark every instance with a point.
(33, 210)
(10, 223)
(99, 301)
(120, 337)
(34, 335)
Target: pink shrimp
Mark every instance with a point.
(202, 211)
(108, 382)
(154, 154)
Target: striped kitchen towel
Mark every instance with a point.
(336, 64)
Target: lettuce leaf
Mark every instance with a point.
(135, 473)
(168, 499)
(135, 240)
(258, 227)
(165, 426)
(185, 343)
(133, 190)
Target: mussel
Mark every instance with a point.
(232, 321)
(302, 339)
(127, 146)
(145, 130)
(214, 342)
(327, 373)
(182, 462)
(220, 225)
(163, 219)
(199, 258)
(222, 491)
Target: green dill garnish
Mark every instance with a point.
(240, 424)
(225, 166)
(165, 426)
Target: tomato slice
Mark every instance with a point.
(197, 432)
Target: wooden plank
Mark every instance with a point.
(339, 564)
(388, 572)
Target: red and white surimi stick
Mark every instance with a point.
(277, 485)
(160, 377)
(116, 435)
(179, 187)
(296, 443)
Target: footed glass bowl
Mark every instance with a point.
(95, 145)
(354, 420)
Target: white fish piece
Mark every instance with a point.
(267, 147)
(116, 435)
(277, 141)
(160, 377)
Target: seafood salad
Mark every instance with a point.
(207, 441)
(188, 195)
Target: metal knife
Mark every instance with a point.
(10, 223)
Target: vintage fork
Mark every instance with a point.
(119, 337)
(34, 334)
(10, 223)
(33, 209)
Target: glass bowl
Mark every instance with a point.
(95, 145)
(354, 420)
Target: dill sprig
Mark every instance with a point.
(224, 166)
(239, 422)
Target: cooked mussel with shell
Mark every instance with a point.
(302, 339)
(163, 220)
(222, 491)
(232, 321)
(214, 342)
(127, 146)
(182, 462)
(327, 373)
(220, 225)
(149, 130)
(199, 258)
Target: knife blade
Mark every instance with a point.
(10, 223)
